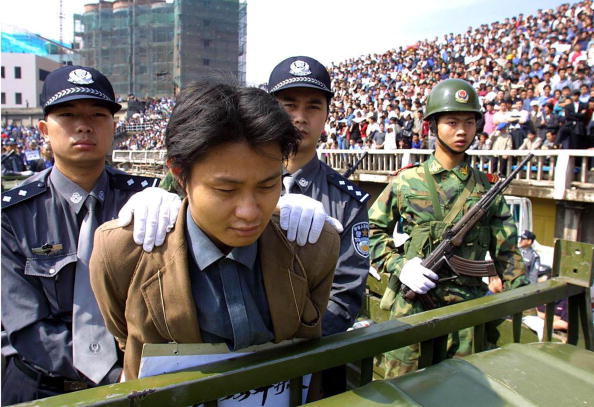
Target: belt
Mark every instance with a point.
(53, 382)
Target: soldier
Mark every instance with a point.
(302, 86)
(428, 198)
(54, 339)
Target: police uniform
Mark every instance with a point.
(427, 199)
(346, 202)
(41, 220)
(341, 199)
(530, 257)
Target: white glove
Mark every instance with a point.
(416, 277)
(155, 212)
(303, 218)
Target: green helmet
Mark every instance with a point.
(452, 95)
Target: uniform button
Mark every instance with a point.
(40, 185)
(52, 271)
(94, 347)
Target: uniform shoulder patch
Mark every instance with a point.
(23, 193)
(348, 187)
(360, 235)
(492, 178)
(129, 182)
(404, 168)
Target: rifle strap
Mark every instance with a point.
(432, 191)
(458, 204)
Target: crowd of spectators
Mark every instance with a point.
(533, 75)
(144, 129)
(24, 151)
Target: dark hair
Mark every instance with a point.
(208, 114)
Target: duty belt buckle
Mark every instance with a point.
(71, 385)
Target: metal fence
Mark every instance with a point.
(546, 165)
(573, 264)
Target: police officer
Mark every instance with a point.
(531, 258)
(47, 227)
(302, 86)
(12, 162)
(428, 198)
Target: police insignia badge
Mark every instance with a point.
(299, 68)
(75, 197)
(461, 96)
(361, 238)
(80, 77)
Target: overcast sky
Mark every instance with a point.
(328, 30)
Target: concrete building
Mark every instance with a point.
(22, 79)
(151, 48)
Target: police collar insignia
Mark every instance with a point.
(361, 238)
(299, 68)
(303, 183)
(48, 249)
(75, 197)
(461, 96)
(80, 77)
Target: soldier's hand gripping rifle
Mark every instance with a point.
(453, 237)
(353, 167)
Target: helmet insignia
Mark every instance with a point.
(461, 96)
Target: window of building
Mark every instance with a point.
(206, 43)
(2, 72)
(18, 98)
(3, 97)
(43, 74)
(17, 72)
(206, 62)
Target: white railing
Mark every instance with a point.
(558, 169)
(139, 156)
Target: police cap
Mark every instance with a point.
(300, 72)
(528, 235)
(72, 82)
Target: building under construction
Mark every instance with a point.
(153, 48)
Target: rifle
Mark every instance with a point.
(454, 237)
(353, 167)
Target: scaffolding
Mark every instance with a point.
(153, 48)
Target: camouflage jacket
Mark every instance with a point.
(407, 199)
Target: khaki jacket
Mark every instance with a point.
(147, 297)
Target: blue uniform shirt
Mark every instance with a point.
(40, 226)
(346, 202)
(228, 290)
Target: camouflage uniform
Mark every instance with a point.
(170, 184)
(408, 199)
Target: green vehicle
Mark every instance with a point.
(520, 371)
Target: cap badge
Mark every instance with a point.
(461, 96)
(80, 77)
(300, 68)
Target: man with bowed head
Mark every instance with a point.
(226, 273)
(429, 198)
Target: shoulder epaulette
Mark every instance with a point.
(348, 187)
(404, 168)
(129, 182)
(492, 178)
(23, 193)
